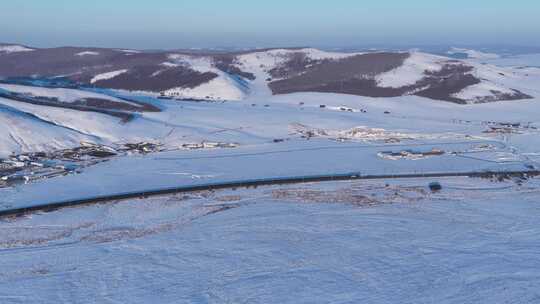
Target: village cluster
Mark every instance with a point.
(29, 167)
(409, 154)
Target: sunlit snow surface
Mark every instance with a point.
(108, 75)
(387, 241)
(361, 242)
(8, 49)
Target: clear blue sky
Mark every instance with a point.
(207, 23)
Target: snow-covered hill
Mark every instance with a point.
(253, 74)
(23, 132)
(223, 86)
(472, 54)
(284, 71)
(57, 98)
(13, 48)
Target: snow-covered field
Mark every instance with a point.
(387, 241)
(369, 242)
(302, 139)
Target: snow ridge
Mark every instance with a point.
(8, 49)
(108, 75)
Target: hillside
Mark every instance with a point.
(237, 76)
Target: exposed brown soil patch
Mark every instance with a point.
(155, 78)
(353, 194)
(113, 105)
(353, 75)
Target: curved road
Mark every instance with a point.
(250, 183)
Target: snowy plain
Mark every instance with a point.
(361, 242)
(388, 241)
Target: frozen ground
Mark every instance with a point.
(340, 141)
(188, 168)
(372, 242)
(390, 241)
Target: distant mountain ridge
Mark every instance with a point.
(236, 75)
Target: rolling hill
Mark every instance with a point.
(237, 75)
